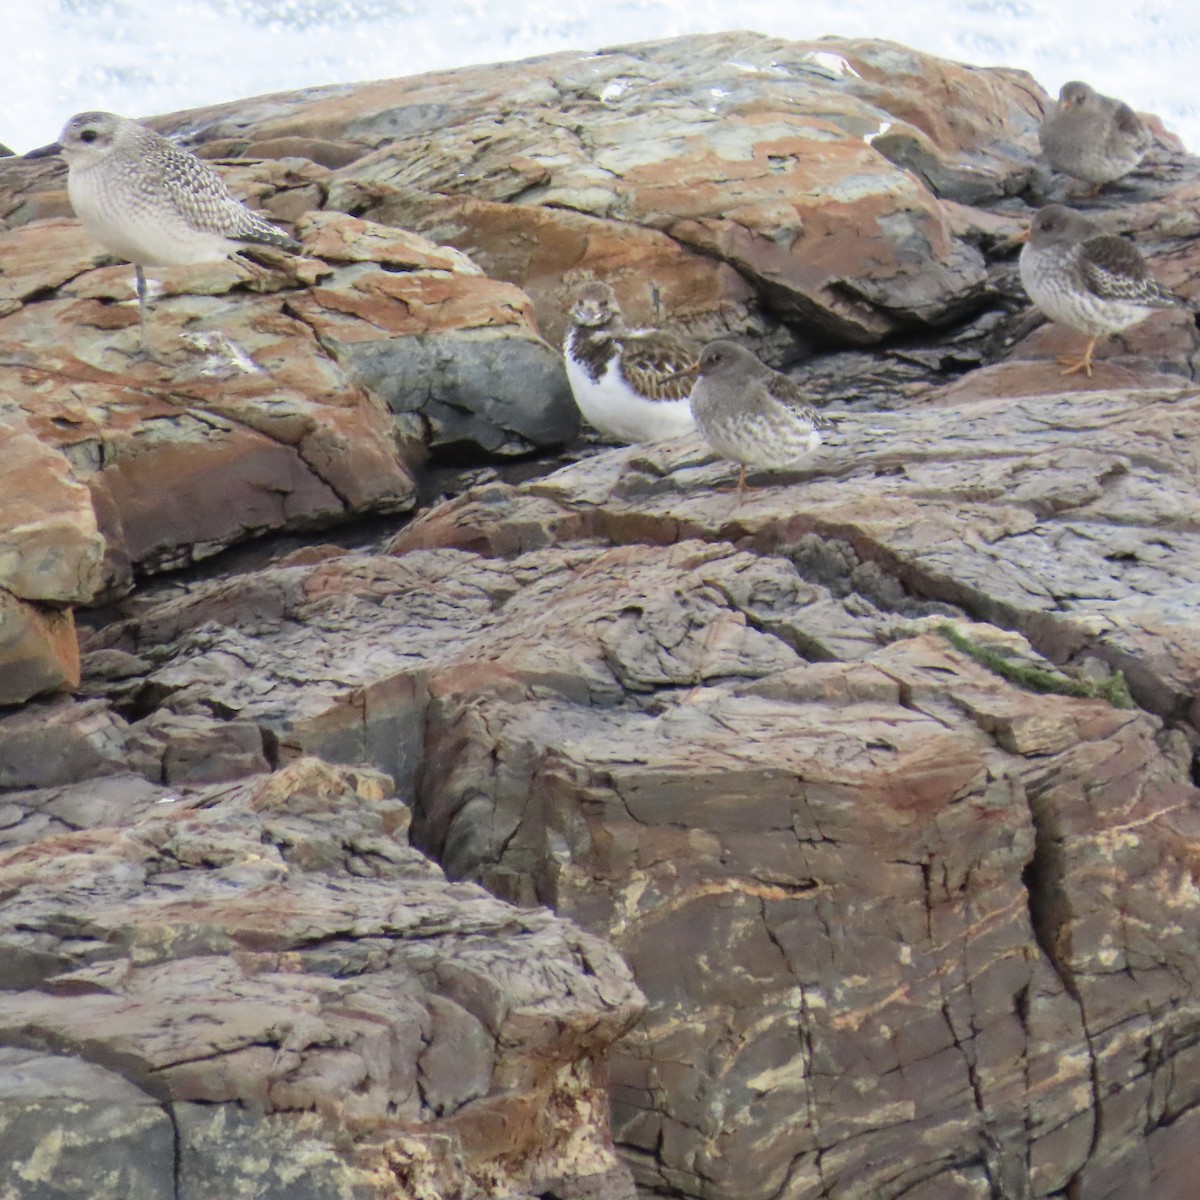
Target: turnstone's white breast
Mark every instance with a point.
(630, 384)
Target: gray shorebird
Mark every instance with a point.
(1097, 283)
(151, 202)
(1092, 137)
(751, 414)
(630, 384)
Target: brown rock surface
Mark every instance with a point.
(744, 150)
(268, 411)
(903, 923)
(240, 979)
(38, 650)
(1077, 526)
(50, 556)
(50, 549)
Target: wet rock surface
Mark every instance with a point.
(880, 779)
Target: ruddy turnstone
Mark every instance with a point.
(150, 201)
(630, 384)
(751, 414)
(1097, 283)
(1092, 137)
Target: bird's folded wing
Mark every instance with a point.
(1114, 270)
(658, 365)
(781, 388)
(1131, 125)
(202, 199)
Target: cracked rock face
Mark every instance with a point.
(721, 181)
(302, 405)
(209, 987)
(799, 195)
(278, 404)
(906, 923)
(50, 557)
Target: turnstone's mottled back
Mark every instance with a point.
(630, 384)
(1094, 282)
(751, 414)
(150, 201)
(1092, 137)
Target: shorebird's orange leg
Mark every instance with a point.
(1083, 364)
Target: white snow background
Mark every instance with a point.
(142, 57)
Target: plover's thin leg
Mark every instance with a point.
(141, 293)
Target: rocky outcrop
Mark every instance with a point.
(799, 195)
(880, 778)
(307, 402)
(725, 181)
(271, 412)
(211, 987)
(876, 863)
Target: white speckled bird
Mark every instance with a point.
(1092, 137)
(1097, 283)
(150, 201)
(751, 414)
(630, 384)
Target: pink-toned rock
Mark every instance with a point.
(50, 549)
(62, 251)
(842, 767)
(757, 153)
(876, 904)
(760, 179)
(549, 251)
(337, 238)
(50, 557)
(182, 468)
(878, 892)
(38, 650)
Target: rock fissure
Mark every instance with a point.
(1051, 918)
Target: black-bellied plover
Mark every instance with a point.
(1097, 283)
(150, 201)
(1092, 137)
(630, 384)
(751, 414)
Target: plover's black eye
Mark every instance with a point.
(88, 135)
